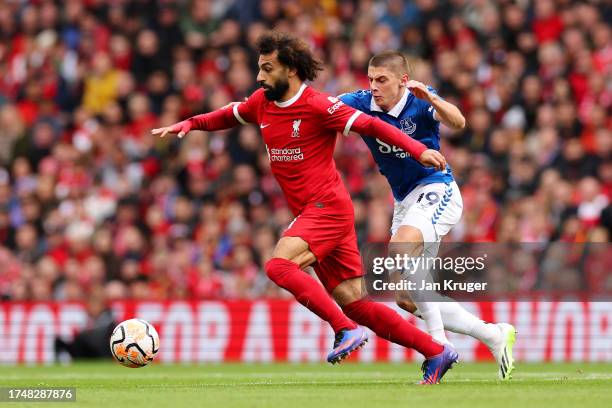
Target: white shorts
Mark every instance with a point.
(431, 208)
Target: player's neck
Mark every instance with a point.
(294, 88)
(395, 101)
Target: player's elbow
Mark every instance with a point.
(457, 123)
(460, 124)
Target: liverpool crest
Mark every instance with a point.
(296, 128)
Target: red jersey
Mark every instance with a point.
(300, 136)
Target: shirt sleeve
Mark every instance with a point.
(334, 113)
(427, 109)
(215, 120)
(247, 111)
(342, 118)
(351, 99)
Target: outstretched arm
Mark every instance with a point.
(223, 118)
(368, 125)
(227, 117)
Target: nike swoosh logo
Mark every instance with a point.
(264, 126)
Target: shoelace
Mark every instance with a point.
(338, 338)
(424, 366)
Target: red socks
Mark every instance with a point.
(308, 292)
(382, 320)
(386, 323)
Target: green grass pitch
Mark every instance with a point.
(318, 386)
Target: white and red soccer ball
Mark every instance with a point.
(134, 343)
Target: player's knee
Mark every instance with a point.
(305, 259)
(275, 269)
(407, 240)
(406, 304)
(408, 234)
(349, 291)
(270, 268)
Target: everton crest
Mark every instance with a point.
(408, 126)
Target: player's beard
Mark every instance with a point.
(277, 91)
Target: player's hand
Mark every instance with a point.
(431, 157)
(181, 129)
(419, 90)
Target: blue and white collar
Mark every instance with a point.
(396, 110)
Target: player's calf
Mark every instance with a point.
(308, 292)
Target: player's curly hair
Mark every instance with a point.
(292, 53)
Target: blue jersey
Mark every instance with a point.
(415, 117)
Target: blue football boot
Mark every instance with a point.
(346, 342)
(435, 367)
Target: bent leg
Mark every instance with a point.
(409, 240)
(382, 320)
(290, 255)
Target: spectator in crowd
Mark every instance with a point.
(92, 341)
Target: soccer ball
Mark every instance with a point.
(134, 343)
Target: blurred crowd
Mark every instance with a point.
(90, 201)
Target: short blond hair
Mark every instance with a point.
(394, 60)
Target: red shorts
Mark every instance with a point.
(332, 239)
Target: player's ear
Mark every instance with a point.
(404, 79)
(291, 72)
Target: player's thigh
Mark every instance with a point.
(319, 230)
(341, 272)
(294, 249)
